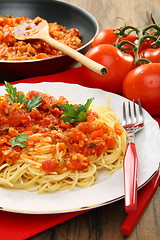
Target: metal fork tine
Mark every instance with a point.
(134, 113)
(141, 117)
(124, 114)
(129, 113)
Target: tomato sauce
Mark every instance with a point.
(12, 49)
(81, 142)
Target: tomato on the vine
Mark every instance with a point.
(144, 83)
(106, 36)
(130, 37)
(127, 47)
(109, 36)
(152, 54)
(117, 63)
(148, 42)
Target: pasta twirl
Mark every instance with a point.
(57, 155)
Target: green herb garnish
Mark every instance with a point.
(19, 140)
(12, 91)
(20, 98)
(34, 102)
(76, 113)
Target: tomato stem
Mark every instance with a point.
(122, 30)
(119, 45)
(142, 34)
(152, 26)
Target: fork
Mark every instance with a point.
(133, 121)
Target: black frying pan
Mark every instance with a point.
(65, 14)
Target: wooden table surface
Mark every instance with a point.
(104, 222)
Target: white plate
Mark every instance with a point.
(106, 189)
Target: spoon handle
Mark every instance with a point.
(89, 63)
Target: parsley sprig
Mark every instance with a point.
(75, 113)
(19, 140)
(14, 97)
(34, 102)
(12, 91)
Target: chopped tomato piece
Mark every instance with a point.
(17, 119)
(9, 155)
(100, 146)
(35, 114)
(77, 135)
(111, 142)
(77, 162)
(3, 120)
(49, 165)
(98, 133)
(65, 125)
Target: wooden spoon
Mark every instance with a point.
(38, 29)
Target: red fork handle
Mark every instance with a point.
(130, 177)
(144, 197)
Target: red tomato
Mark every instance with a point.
(147, 43)
(106, 36)
(127, 47)
(109, 36)
(130, 37)
(152, 54)
(144, 83)
(117, 63)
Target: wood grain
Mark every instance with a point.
(104, 223)
(113, 13)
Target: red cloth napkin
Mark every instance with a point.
(16, 226)
(73, 75)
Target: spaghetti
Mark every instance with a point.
(57, 154)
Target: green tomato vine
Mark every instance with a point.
(149, 32)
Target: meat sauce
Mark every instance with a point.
(12, 49)
(81, 142)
